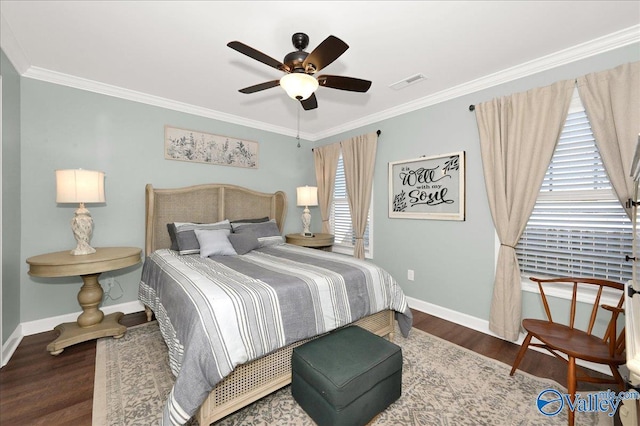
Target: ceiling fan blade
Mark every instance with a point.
(261, 86)
(327, 52)
(310, 103)
(258, 56)
(344, 83)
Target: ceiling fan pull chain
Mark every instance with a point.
(298, 135)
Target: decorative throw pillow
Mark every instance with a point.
(256, 220)
(275, 240)
(243, 243)
(214, 242)
(267, 233)
(183, 238)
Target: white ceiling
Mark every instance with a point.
(174, 54)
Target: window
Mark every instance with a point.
(340, 218)
(578, 227)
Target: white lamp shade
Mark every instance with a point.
(299, 85)
(307, 195)
(79, 186)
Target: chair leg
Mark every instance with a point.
(572, 384)
(523, 350)
(617, 377)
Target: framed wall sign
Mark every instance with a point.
(428, 187)
(200, 147)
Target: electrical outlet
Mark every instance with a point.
(108, 282)
(410, 274)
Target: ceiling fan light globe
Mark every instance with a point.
(299, 86)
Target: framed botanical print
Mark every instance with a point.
(201, 147)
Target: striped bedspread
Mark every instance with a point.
(219, 312)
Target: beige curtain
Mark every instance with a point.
(518, 134)
(326, 162)
(612, 102)
(359, 156)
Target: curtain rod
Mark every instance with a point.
(378, 132)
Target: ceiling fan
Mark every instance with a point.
(299, 81)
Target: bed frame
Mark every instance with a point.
(211, 203)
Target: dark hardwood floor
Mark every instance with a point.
(37, 388)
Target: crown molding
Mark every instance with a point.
(594, 47)
(603, 44)
(12, 48)
(42, 74)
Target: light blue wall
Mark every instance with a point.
(453, 261)
(69, 128)
(10, 197)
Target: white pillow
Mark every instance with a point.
(184, 240)
(214, 242)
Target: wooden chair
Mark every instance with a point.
(575, 343)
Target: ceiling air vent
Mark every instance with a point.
(408, 81)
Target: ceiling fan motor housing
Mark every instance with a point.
(294, 60)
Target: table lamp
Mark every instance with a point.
(80, 186)
(307, 196)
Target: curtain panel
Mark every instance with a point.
(359, 156)
(518, 135)
(612, 101)
(326, 162)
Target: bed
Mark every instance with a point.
(264, 369)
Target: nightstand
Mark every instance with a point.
(92, 323)
(318, 241)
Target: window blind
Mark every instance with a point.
(578, 227)
(340, 218)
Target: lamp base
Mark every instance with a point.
(82, 227)
(306, 223)
(79, 251)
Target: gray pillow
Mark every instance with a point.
(214, 242)
(183, 238)
(256, 220)
(263, 229)
(243, 243)
(267, 233)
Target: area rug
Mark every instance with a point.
(442, 384)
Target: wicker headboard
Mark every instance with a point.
(206, 204)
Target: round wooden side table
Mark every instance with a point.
(92, 323)
(319, 240)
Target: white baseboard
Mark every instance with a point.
(455, 316)
(12, 344)
(483, 327)
(47, 324)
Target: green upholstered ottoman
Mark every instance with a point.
(346, 377)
